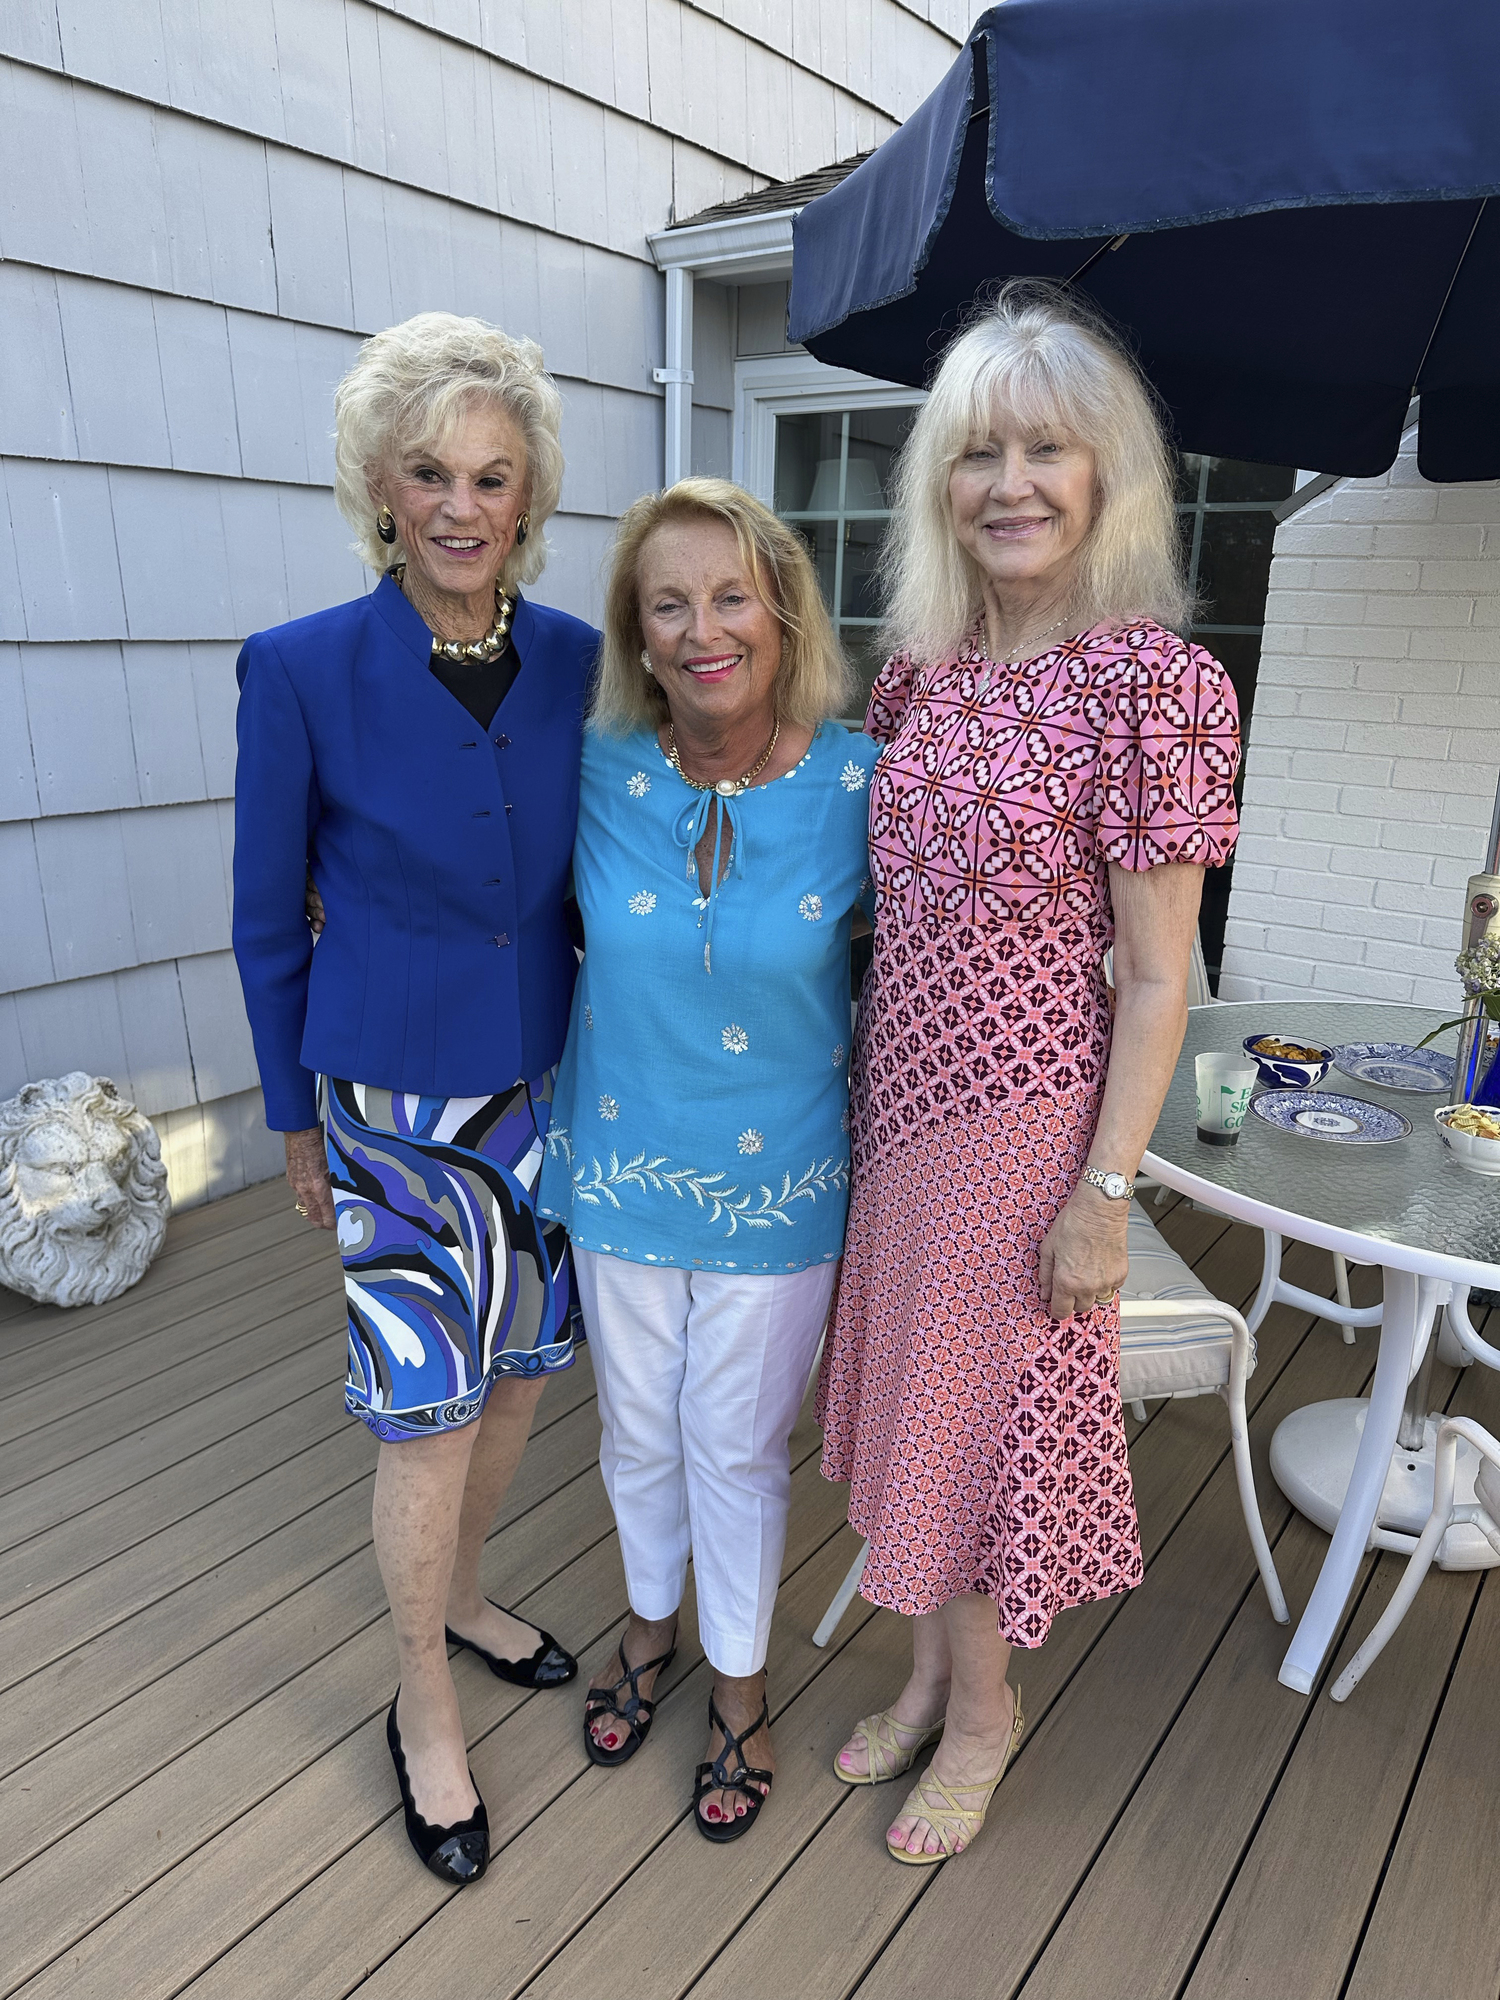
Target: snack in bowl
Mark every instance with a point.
(1286, 1063)
(1471, 1132)
(1483, 1124)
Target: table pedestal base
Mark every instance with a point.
(1312, 1457)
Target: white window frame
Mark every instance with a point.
(774, 385)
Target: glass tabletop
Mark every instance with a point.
(1408, 1192)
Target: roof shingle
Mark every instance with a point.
(777, 195)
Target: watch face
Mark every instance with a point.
(1116, 1186)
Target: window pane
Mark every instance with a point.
(1238, 479)
(1234, 567)
(822, 538)
(1188, 464)
(862, 540)
(874, 438)
(807, 456)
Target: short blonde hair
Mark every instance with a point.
(407, 389)
(1043, 356)
(814, 680)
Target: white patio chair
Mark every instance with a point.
(1273, 1287)
(1176, 1339)
(1483, 1514)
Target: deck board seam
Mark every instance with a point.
(480, 1737)
(132, 1295)
(335, 1380)
(218, 1639)
(306, 1663)
(1417, 1768)
(335, 1426)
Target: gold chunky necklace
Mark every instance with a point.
(727, 788)
(477, 651)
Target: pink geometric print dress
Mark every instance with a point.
(983, 1443)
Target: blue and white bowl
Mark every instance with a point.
(1286, 1072)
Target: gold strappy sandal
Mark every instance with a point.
(887, 1756)
(937, 1803)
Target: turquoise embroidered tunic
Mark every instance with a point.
(701, 1113)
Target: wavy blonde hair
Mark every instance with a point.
(1053, 365)
(407, 389)
(814, 680)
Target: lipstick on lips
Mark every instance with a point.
(465, 547)
(713, 667)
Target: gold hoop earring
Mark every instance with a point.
(385, 526)
(523, 529)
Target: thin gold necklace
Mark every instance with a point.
(727, 788)
(477, 651)
(1017, 654)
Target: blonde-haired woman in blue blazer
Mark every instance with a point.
(418, 750)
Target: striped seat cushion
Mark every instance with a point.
(1164, 1356)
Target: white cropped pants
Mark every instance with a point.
(701, 1375)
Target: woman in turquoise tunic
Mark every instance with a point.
(699, 1145)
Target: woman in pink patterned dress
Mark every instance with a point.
(1057, 772)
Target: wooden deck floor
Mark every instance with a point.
(195, 1663)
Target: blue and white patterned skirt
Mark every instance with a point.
(451, 1277)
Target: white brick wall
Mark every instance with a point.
(1374, 748)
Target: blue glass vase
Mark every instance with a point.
(1487, 1090)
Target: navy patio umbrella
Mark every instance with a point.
(1283, 203)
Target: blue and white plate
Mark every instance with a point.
(1395, 1065)
(1320, 1114)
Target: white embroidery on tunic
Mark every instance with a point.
(751, 1141)
(735, 1040)
(853, 777)
(722, 1199)
(608, 1108)
(642, 903)
(638, 784)
(811, 907)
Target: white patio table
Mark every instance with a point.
(1434, 1229)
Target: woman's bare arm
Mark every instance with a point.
(1156, 916)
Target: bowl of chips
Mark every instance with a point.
(1471, 1132)
(1287, 1063)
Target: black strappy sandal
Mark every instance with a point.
(716, 1777)
(637, 1711)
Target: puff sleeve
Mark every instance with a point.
(890, 697)
(1169, 754)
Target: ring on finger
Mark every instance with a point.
(300, 1210)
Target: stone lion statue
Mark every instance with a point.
(83, 1192)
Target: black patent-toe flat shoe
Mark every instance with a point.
(459, 1853)
(548, 1667)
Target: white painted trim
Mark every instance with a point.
(677, 444)
(730, 249)
(775, 385)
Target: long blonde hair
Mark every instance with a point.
(814, 680)
(1041, 355)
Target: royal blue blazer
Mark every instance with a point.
(441, 851)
